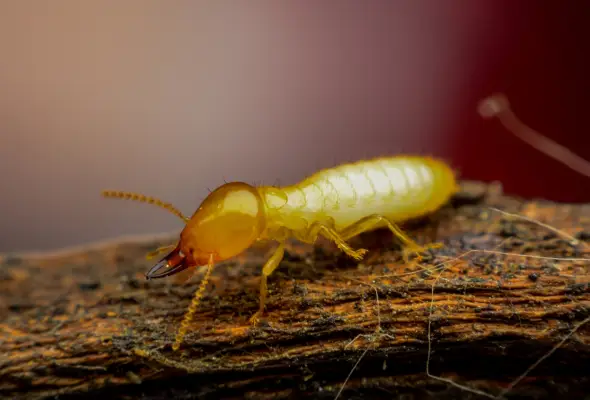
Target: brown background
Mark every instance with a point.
(171, 98)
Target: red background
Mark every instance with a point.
(541, 62)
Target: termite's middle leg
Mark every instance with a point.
(271, 264)
(326, 229)
(370, 222)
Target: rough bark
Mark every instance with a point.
(87, 324)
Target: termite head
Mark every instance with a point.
(226, 223)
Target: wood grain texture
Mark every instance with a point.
(86, 324)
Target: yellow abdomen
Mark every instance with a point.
(398, 188)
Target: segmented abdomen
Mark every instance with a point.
(396, 187)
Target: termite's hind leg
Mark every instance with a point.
(371, 221)
(271, 264)
(330, 233)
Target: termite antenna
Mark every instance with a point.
(192, 308)
(144, 199)
(498, 106)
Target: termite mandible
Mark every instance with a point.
(337, 203)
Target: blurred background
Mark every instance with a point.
(169, 98)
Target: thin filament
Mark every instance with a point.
(572, 239)
(498, 106)
(144, 199)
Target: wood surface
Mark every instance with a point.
(86, 324)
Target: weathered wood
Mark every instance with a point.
(87, 324)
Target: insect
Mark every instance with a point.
(337, 203)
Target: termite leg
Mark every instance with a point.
(271, 264)
(323, 229)
(369, 222)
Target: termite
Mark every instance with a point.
(337, 203)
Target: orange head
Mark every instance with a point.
(226, 223)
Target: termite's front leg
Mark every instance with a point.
(318, 228)
(371, 221)
(271, 264)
